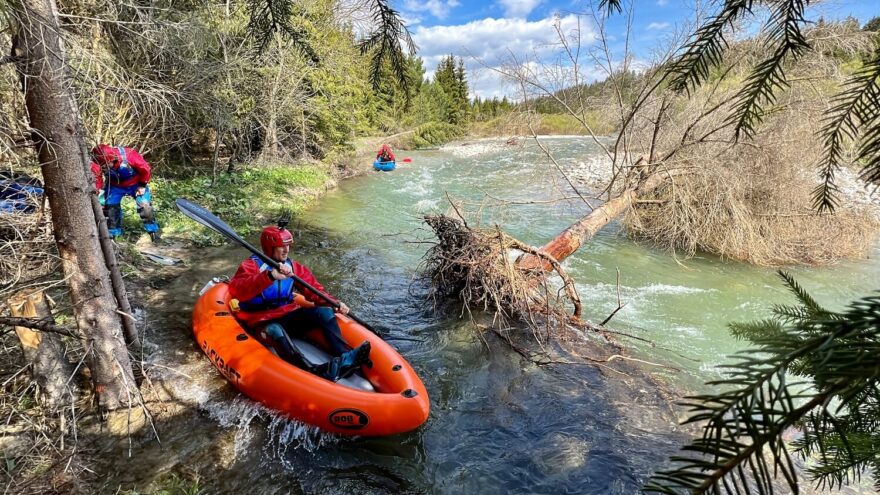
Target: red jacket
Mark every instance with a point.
(249, 282)
(385, 154)
(126, 167)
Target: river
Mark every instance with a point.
(499, 424)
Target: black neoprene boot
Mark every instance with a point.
(346, 364)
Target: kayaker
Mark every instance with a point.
(268, 310)
(128, 174)
(385, 154)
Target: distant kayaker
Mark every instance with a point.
(128, 174)
(269, 311)
(385, 154)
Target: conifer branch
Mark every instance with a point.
(706, 48)
(387, 41)
(268, 17)
(856, 107)
(786, 42)
(742, 449)
(611, 6)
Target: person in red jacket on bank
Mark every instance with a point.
(128, 174)
(269, 311)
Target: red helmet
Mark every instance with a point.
(273, 237)
(105, 155)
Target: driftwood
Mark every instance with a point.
(473, 265)
(571, 239)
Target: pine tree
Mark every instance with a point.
(461, 86)
(445, 78)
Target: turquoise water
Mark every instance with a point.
(680, 304)
(499, 423)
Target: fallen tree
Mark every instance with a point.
(680, 175)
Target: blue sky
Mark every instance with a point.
(489, 34)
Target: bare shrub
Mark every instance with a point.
(750, 200)
(749, 211)
(27, 249)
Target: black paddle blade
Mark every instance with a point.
(206, 218)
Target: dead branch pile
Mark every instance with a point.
(750, 200)
(39, 445)
(27, 249)
(477, 267)
(750, 208)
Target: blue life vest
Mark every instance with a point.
(278, 294)
(124, 172)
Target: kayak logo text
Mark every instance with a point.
(349, 419)
(228, 371)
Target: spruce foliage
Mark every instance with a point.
(451, 78)
(385, 42)
(387, 39)
(855, 116)
(816, 370)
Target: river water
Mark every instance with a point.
(681, 305)
(500, 424)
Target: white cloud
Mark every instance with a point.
(490, 43)
(657, 26)
(518, 8)
(662, 2)
(438, 8)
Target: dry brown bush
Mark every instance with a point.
(750, 200)
(27, 249)
(750, 211)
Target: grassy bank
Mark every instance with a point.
(517, 124)
(246, 199)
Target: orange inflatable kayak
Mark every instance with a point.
(385, 399)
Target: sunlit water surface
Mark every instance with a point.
(498, 423)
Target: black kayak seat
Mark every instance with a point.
(315, 357)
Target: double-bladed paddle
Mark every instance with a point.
(208, 219)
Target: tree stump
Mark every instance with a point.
(43, 351)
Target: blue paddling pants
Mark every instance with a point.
(113, 209)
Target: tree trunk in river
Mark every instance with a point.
(51, 110)
(571, 239)
(43, 351)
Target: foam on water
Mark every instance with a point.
(427, 205)
(601, 290)
(285, 435)
(254, 422)
(474, 148)
(670, 289)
